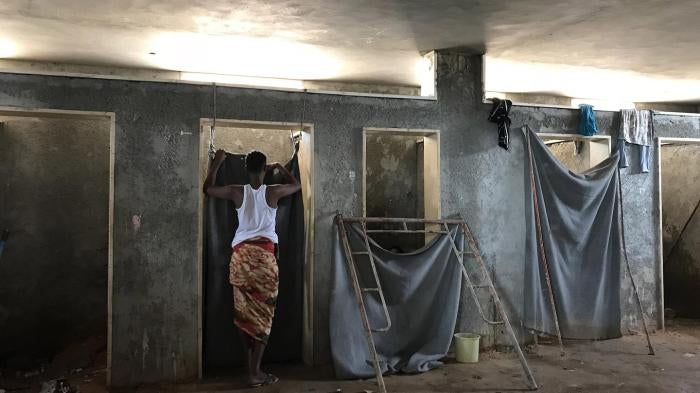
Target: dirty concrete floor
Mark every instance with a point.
(620, 365)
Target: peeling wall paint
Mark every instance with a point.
(566, 154)
(393, 189)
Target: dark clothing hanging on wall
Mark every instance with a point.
(499, 115)
(221, 341)
(580, 234)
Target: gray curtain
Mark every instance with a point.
(580, 233)
(422, 292)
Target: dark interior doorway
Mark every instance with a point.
(55, 203)
(222, 352)
(401, 180)
(680, 199)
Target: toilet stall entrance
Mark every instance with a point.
(679, 189)
(56, 203)
(290, 145)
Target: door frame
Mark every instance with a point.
(660, 220)
(307, 168)
(110, 117)
(431, 172)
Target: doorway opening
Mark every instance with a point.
(679, 197)
(56, 202)
(576, 152)
(291, 338)
(401, 179)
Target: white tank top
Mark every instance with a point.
(255, 217)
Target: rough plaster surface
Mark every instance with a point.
(275, 144)
(680, 194)
(54, 199)
(393, 190)
(566, 154)
(156, 178)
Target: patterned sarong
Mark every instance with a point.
(255, 278)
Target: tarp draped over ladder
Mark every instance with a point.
(397, 312)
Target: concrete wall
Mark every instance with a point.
(680, 176)
(275, 144)
(54, 199)
(566, 154)
(156, 178)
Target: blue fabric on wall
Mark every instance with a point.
(587, 125)
(644, 156)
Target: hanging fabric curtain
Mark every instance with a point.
(422, 291)
(573, 248)
(222, 347)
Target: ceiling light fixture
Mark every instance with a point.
(7, 48)
(245, 56)
(243, 80)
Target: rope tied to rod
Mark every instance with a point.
(212, 128)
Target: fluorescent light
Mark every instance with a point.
(7, 48)
(242, 80)
(239, 55)
(603, 85)
(603, 104)
(425, 73)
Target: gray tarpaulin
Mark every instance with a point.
(422, 290)
(580, 233)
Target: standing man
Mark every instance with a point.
(253, 268)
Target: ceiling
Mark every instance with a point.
(360, 40)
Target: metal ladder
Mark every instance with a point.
(460, 225)
(359, 294)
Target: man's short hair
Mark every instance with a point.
(255, 161)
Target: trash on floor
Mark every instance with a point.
(58, 386)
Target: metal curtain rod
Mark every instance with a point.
(401, 220)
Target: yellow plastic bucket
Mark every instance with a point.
(467, 347)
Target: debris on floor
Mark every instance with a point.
(58, 386)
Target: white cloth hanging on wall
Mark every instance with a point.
(636, 127)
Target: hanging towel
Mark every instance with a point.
(499, 115)
(636, 127)
(587, 125)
